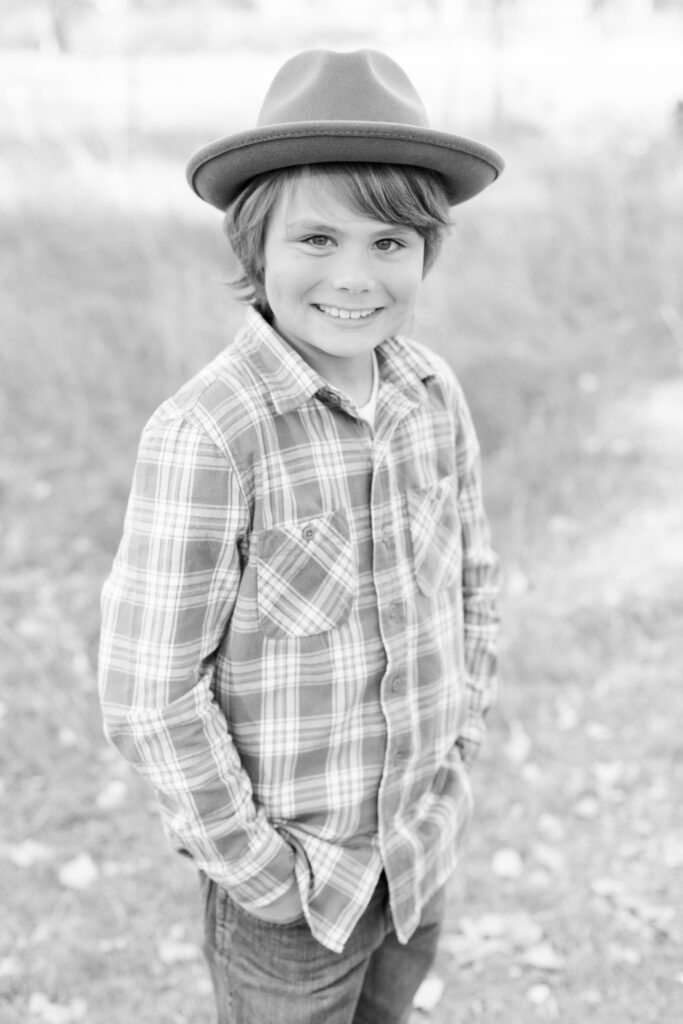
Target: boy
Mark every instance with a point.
(298, 632)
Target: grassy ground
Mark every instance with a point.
(559, 301)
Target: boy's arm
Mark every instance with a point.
(165, 609)
(479, 588)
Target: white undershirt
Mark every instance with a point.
(367, 411)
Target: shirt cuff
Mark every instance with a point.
(256, 874)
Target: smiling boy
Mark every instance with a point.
(298, 639)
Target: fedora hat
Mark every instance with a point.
(325, 107)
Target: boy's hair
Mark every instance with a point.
(392, 193)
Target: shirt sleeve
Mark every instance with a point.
(479, 588)
(165, 609)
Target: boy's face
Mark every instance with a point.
(337, 281)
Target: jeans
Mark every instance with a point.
(265, 973)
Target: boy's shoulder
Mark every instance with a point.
(429, 365)
(223, 400)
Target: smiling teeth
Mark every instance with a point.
(347, 314)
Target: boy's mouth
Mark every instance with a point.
(346, 314)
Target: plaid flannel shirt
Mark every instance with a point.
(298, 635)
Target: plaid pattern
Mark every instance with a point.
(298, 634)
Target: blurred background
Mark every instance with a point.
(559, 302)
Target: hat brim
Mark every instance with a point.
(219, 171)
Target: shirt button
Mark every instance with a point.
(394, 609)
(397, 684)
(308, 533)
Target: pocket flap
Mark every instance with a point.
(306, 575)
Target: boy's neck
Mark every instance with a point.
(354, 377)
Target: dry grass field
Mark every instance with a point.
(559, 301)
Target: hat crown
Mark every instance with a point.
(322, 85)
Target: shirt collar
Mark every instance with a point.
(288, 378)
(291, 382)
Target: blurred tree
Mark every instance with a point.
(62, 14)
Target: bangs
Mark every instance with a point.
(409, 196)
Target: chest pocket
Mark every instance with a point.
(436, 536)
(306, 576)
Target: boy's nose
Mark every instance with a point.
(352, 275)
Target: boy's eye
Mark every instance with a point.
(317, 241)
(388, 244)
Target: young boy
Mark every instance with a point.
(298, 632)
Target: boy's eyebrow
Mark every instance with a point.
(321, 228)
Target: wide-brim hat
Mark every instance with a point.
(325, 107)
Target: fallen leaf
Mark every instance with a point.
(522, 930)
(517, 582)
(538, 878)
(672, 852)
(566, 715)
(542, 997)
(519, 928)
(539, 994)
(619, 954)
(531, 774)
(67, 737)
(610, 888)
(467, 949)
(172, 952)
(113, 795)
(544, 957)
(588, 808)
(507, 863)
(9, 967)
(598, 731)
(54, 1013)
(112, 945)
(518, 745)
(550, 857)
(27, 853)
(429, 994)
(79, 873)
(588, 383)
(551, 827)
(564, 526)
